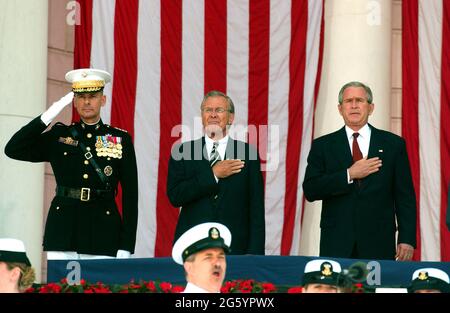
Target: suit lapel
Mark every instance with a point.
(205, 156)
(229, 154)
(376, 148)
(342, 148)
(230, 149)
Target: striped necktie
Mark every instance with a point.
(214, 157)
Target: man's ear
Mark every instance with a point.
(230, 118)
(187, 266)
(103, 100)
(371, 108)
(15, 274)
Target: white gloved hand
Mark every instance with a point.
(123, 254)
(48, 116)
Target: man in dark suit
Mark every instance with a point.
(89, 159)
(363, 178)
(218, 179)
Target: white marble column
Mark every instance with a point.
(23, 78)
(357, 46)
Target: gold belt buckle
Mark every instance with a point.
(85, 194)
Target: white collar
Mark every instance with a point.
(364, 132)
(191, 288)
(222, 141)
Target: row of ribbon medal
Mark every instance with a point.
(109, 146)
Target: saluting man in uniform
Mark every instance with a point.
(89, 159)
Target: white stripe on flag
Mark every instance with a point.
(193, 67)
(102, 51)
(312, 60)
(430, 47)
(237, 64)
(280, 34)
(147, 122)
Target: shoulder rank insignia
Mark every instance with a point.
(68, 141)
(117, 128)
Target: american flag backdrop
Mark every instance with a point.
(164, 55)
(426, 112)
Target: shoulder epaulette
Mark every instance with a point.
(107, 125)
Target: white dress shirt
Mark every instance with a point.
(363, 142)
(221, 148)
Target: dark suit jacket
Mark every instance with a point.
(364, 215)
(236, 201)
(94, 226)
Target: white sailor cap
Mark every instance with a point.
(88, 79)
(429, 278)
(201, 237)
(13, 251)
(321, 271)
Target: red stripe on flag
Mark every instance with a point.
(317, 86)
(83, 35)
(170, 116)
(445, 130)
(319, 64)
(410, 98)
(125, 64)
(297, 60)
(83, 41)
(215, 45)
(258, 84)
(125, 70)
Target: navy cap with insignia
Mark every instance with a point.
(201, 237)
(321, 272)
(88, 79)
(13, 251)
(429, 278)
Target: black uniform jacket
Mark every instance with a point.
(89, 224)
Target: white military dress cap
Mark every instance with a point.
(201, 237)
(13, 251)
(321, 271)
(429, 278)
(88, 79)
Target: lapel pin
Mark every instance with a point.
(381, 150)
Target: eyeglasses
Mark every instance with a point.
(216, 110)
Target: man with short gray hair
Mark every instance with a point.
(363, 178)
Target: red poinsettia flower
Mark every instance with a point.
(296, 289)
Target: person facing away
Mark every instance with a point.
(89, 159)
(321, 276)
(201, 250)
(363, 178)
(16, 273)
(429, 280)
(216, 178)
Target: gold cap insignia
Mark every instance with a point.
(423, 276)
(214, 233)
(326, 269)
